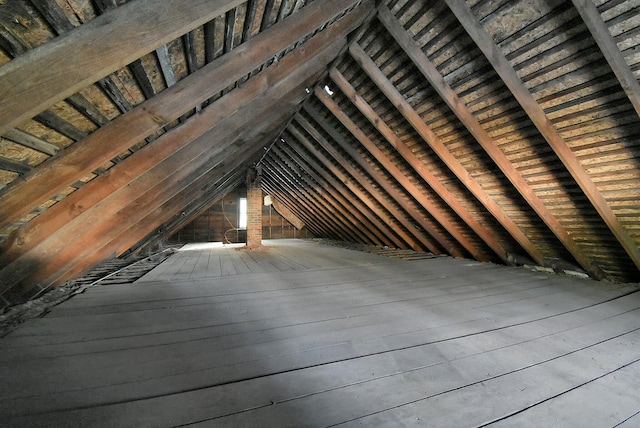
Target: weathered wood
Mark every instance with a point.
(54, 15)
(447, 157)
(28, 140)
(60, 125)
(165, 65)
(128, 129)
(88, 109)
(101, 46)
(122, 210)
(449, 96)
(14, 166)
(370, 199)
(317, 53)
(172, 152)
(306, 203)
(318, 208)
(548, 131)
(412, 160)
(354, 211)
(406, 218)
(602, 36)
(142, 77)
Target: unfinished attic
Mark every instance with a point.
(442, 218)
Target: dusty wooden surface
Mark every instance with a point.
(302, 334)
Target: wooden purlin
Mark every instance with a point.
(382, 221)
(350, 207)
(300, 64)
(537, 115)
(444, 154)
(420, 169)
(406, 215)
(123, 132)
(449, 96)
(321, 206)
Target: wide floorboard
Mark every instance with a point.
(303, 334)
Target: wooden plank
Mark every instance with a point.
(107, 217)
(307, 203)
(333, 187)
(549, 132)
(325, 199)
(445, 155)
(369, 372)
(317, 53)
(380, 218)
(449, 96)
(600, 32)
(28, 140)
(147, 118)
(385, 185)
(102, 46)
(14, 166)
(408, 155)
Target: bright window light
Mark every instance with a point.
(328, 90)
(242, 213)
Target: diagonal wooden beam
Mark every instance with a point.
(382, 181)
(269, 85)
(608, 46)
(378, 217)
(309, 192)
(430, 72)
(329, 189)
(98, 227)
(385, 85)
(147, 118)
(418, 166)
(537, 115)
(397, 214)
(91, 229)
(48, 74)
(305, 202)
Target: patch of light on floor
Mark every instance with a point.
(198, 246)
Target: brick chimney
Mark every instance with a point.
(254, 208)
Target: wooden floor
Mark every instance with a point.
(303, 334)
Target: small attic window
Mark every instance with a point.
(242, 213)
(328, 90)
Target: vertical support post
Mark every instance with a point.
(254, 209)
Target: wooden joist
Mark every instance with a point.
(130, 128)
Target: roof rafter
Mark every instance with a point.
(431, 180)
(446, 156)
(551, 135)
(147, 118)
(405, 216)
(449, 96)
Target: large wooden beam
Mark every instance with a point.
(430, 72)
(123, 208)
(377, 176)
(608, 46)
(411, 158)
(295, 67)
(537, 115)
(378, 217)
(355, 211)
(38, 79)
(385, 85)
(123, 132)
